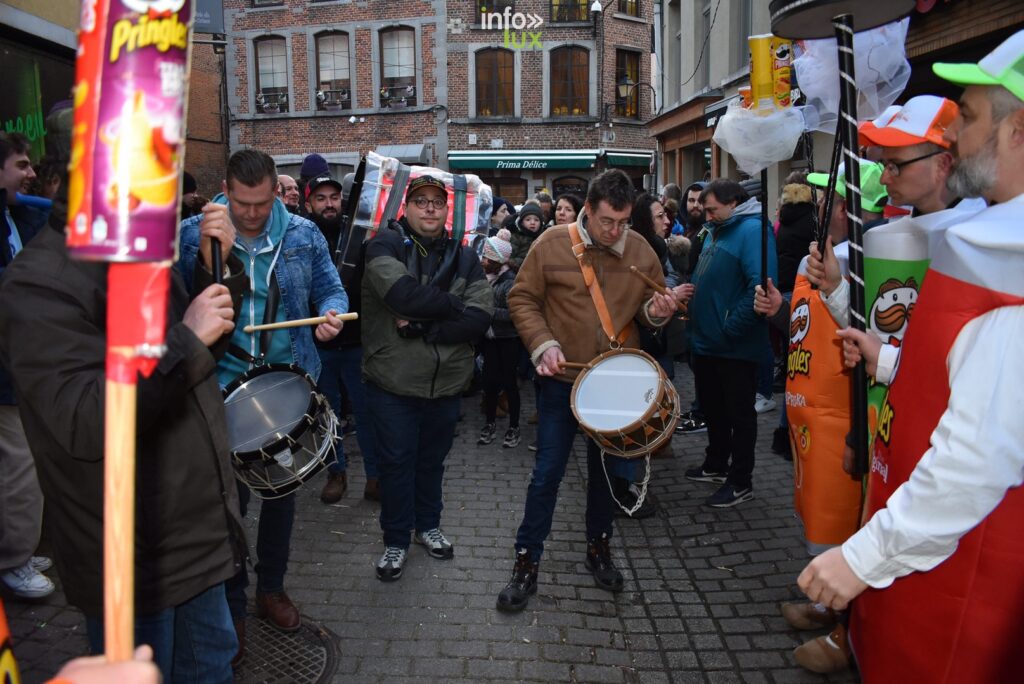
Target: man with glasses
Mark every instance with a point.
(728, 338)
(425, 301)
(558, 320)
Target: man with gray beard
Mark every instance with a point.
(938, 569)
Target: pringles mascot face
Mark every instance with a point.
(799, 322)
(891, 311)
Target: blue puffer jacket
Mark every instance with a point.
(297, 252)
(722, 318)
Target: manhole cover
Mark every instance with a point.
(275, 657)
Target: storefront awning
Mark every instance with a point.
(516, 160)
(407, 154)
(629, 157)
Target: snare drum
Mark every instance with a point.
(281, 430)
(625, 403)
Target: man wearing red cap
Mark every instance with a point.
(938, 569)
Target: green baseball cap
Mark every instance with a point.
(1003, 66)
(873, 195)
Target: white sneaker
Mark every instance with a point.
(437, 545)
(763, 405)
(26, 582)
(41, 563)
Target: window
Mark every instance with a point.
(570, 82)
(569, 184)
(334, 84)
(495, 83)
(398, 68)
(494, 6)
(512, 189)
(703, 47)
(271, 75)
(627, 73)
(570, 10)
(744, 25)
(266, 3)
(630, 7)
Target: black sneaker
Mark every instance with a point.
(627, 494)
(512, 438)
(516, 594)
(780, 443)
(487, 434)
(701, 475)
(599, 562)
(690, 423)
(728, 496)
(389, 567)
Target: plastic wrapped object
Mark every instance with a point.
(881, 67)
(757, 140)
(382, 177)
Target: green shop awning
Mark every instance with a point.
(629, 157)
(518, 160)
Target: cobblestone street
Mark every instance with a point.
(701, 603)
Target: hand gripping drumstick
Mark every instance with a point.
(657, 287)
(298, 322)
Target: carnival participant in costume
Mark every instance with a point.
(937, 571)
(557, 319)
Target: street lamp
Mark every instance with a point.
(595, 14)
(626, 87)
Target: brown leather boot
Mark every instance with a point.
(240, 655)
(371, 492)
(335, 487)
(825, 654)
(278, 610)
(804, 616)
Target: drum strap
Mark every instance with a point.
(269, 316)
(590, 278)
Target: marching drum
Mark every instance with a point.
(281, 430)
(625, 403)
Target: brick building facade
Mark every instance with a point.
(429, 82)
(206, 149)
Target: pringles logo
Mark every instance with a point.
(891, 311)
(157, 25)
(799, 360)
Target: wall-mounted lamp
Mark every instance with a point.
(595, 14)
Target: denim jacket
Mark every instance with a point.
(305, 275)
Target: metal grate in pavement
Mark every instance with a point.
(309, 655)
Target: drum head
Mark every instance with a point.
(265, 408)
(617, 391)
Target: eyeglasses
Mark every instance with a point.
(423, 202)
(608, 224)
(893, 168)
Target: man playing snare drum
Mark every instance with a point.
(287, 260)
(557, 320)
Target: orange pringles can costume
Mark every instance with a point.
(826, 499)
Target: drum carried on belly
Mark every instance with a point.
(281, 430)
(625, 403)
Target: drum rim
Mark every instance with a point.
(310, 417)
(593, 364)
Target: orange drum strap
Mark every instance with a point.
(590, 278)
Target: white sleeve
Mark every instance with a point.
(838, 303)
(976, 454)
(888, 355)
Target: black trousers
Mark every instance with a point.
(725, 390)
(501, 359)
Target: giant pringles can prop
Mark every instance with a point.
(128, 137)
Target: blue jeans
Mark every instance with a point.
(413, 438)
(344, 367)
(192, 642)
(273, 538)
(555, 434)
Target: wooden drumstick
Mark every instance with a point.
(572, 365)
(658, 288)
(298, 322)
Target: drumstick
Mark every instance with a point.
(657, 287)
(298, 322)
(574, 365)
